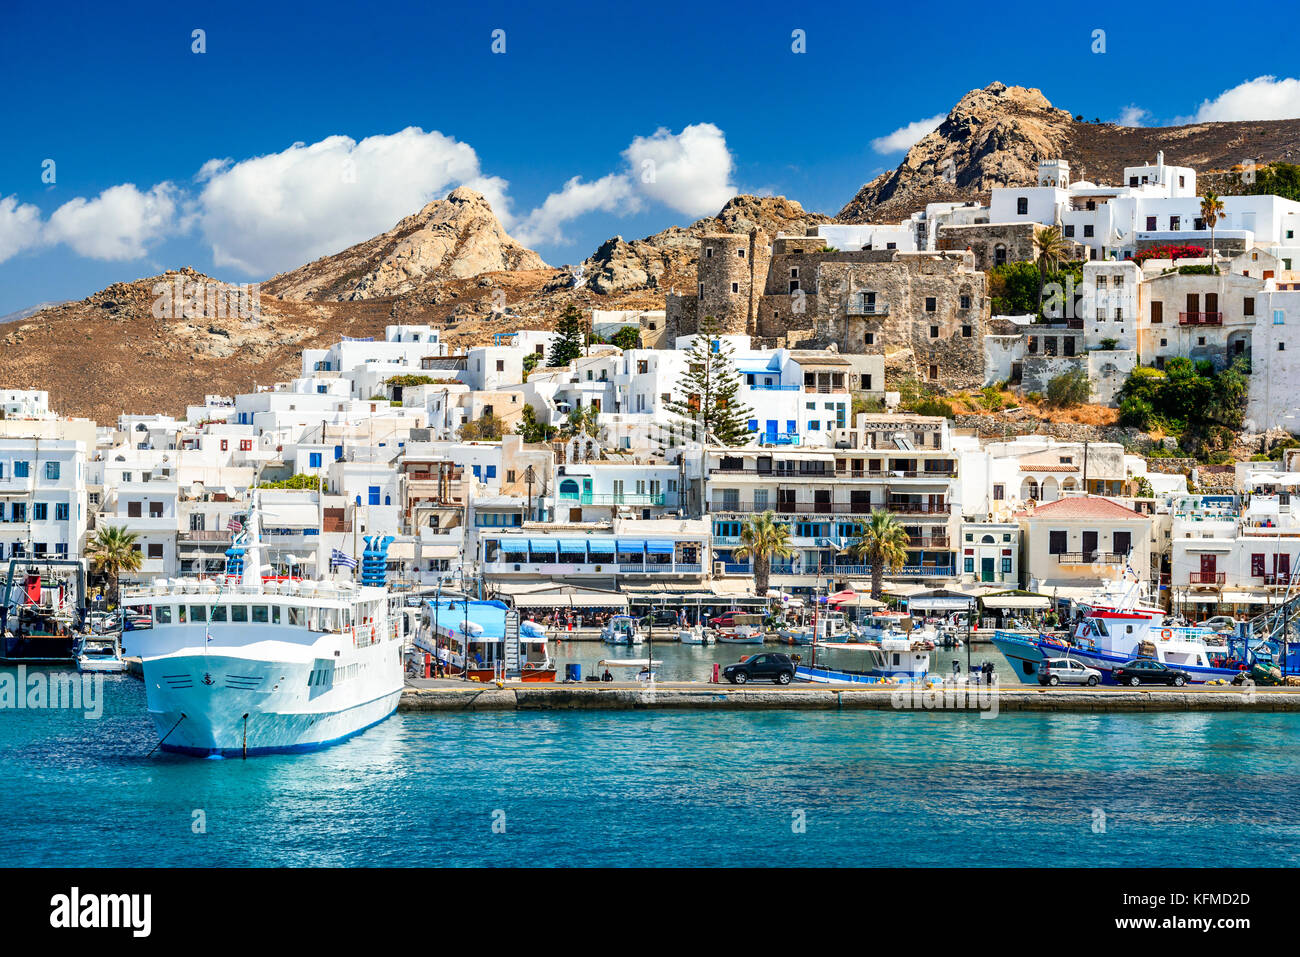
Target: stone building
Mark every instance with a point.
(993, 244)
(928, 307)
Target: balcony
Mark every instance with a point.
(774, 388)
(1206, 578)
(867, 309)
(1200, 318)
(614, 498)
(747, 506)
(1088, 558)
(864, 571)
(928, 541)
(200, 535)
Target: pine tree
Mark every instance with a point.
(568, 343)
(709, 388)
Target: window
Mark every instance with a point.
(20, 469)
(1248, 306)
(1151, 224)
(869, 339)
(931, 304)
(1006, 566)
(155, 550)
(1123, 542)
(133, 510)
(245, 445)
(934, 371)
(1056, 542)
(1022, 205)
(1257, 565)
(61, 512)
(708, 252)
(1175, 223)
(373, 493)
(52, 471)
(735, 287)
(1157, 311)
(740, 253)
(965, 331)
(260, 614)
(239, 613)
(225, 445)
(162, 614)
(1069, 231)
(1087, 231)
(934, 332)
(314, 460)
(969, 565)
(999, 493)
(965, 302)
(218, 612)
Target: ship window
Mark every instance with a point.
(259, 614)
(313, 619)
(296, 616)
(275, 614)
(180, 614)
(162, 614)
(198, 613)
(239, 613)
(218, 612)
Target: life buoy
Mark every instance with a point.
(1166, 634)
(372, 634)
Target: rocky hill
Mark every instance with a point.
(997, 135)
(453, 238)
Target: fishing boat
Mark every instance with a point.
(1112, 633)
(486, 634)
(42, 611)
(744, 630)
(251, 664)
(693, 635)
(889, 660)
(622, 630)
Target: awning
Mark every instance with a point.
(634, 546)
(578, 545)
(514, 544)
(548, 545)
(659, 547)
(439, 551)
(1017, 601)
(571, 600)
(942, 603)
(600, 546)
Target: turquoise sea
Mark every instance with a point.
(663, 788)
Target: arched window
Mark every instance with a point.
(568, 489)
(388, 500)
(999, 255)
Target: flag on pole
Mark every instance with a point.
(234, 525)
(338, 557)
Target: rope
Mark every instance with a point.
(166, 736)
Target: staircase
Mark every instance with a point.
(512, 644)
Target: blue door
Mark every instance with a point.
(771, 430)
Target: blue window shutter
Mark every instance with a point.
(374, 495)
(338, 453)
(791, 426)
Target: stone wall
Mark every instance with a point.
(1019, 240)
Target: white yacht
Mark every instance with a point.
(250, 665)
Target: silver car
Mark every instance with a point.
(1066, 671)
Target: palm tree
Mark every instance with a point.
(112, 551)
(1052, 250)
(881, 542)
(763, 538)
(1212, 212)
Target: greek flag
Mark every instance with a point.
(342, 558)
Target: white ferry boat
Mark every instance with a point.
(252, 665)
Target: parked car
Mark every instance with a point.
(727, 620)
(1220, 623)
(1067, 671)
(661, 618)
(1144, 671)
(769, 666)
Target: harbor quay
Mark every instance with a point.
(453, 695)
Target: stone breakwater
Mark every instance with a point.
(726, 697)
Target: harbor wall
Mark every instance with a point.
(728, 698)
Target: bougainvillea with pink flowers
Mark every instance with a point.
(1172, 251)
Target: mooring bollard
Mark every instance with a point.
(714, 679)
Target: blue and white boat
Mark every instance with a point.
(891, 660)
(483, 641)
(622, 630)
(252, 665)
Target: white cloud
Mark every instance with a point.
(689, 171)
(1263, 98)
(276, 212)
(119, 224)
(903, 137)
(1133, 115)
(20, 226)
(612, 193)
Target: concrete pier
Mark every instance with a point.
(459, 696)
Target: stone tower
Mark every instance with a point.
(728, 288)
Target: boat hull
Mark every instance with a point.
(834, 676)
(230, 704)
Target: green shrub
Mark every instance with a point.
(1136, 413)
(1068, 389)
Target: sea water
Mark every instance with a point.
(663, 788)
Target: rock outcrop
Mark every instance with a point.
(454, 238)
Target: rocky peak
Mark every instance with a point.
(453, 238)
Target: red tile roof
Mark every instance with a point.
(1084, 506)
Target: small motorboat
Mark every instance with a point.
(622, 630)
(101, 654)
(694, 635)
(744, 630)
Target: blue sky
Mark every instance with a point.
(711, 93)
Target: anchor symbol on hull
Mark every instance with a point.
(207, 678)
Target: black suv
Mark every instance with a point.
(769, 666)
(1144, 671)
(661, 617)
